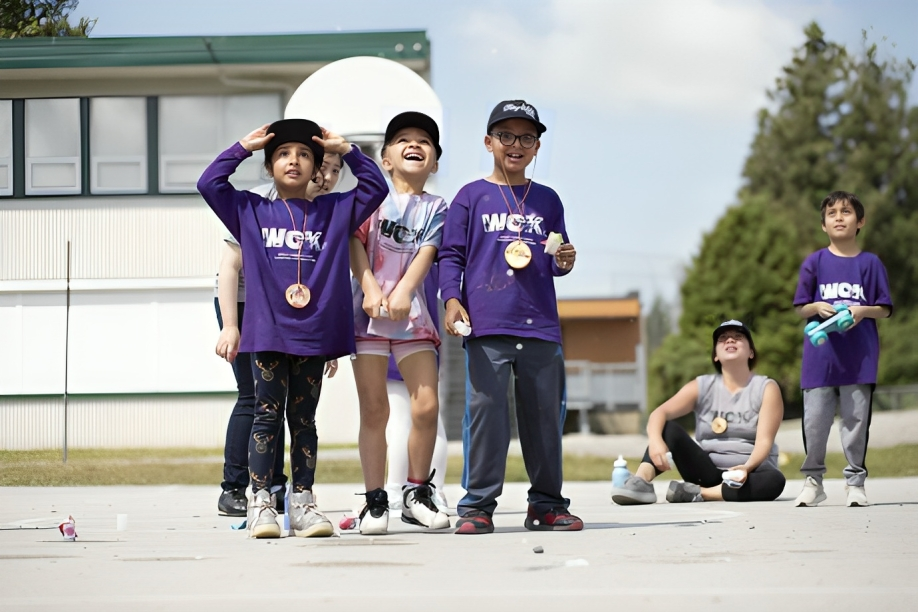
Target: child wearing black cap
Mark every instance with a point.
(737, 414)
(497, 267)
(297, 297)
(391, 255)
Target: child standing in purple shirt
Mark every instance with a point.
(841, 372)
(496, 277)
(298, 298)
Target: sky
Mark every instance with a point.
(650, 105)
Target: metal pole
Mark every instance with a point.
(66, 351)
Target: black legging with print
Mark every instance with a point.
(292, 383)
(762, 484)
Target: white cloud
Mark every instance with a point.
(714, 57)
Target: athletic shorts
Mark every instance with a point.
(399, 349)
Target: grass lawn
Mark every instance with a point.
(204, 467)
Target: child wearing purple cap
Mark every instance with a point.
(497, 276)
(298, 300)
(841, 372)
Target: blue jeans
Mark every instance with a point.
(239, 427)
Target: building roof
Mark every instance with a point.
(75, 52)
(610, 308)
(190, 65)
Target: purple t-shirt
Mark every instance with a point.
(270, 241)
(849, 357)
(499, 299)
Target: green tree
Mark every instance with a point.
(30, 18)
(838, 121)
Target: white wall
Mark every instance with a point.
(130, 342)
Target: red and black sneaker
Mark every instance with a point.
(475, 522)
(556, 519)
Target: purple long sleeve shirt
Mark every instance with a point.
(270, 241)
(499, 299)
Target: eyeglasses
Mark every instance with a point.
(735, 336)
(527, 141)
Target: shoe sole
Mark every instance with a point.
(473, 529)
(575, 526)
(407, 518)
(233, 513)
(821, 497)
(623, 497)
(316, 531)
(266, 531)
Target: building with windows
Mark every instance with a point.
(107, 252)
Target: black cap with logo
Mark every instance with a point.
(516, 109)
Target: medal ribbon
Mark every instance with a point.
(299, 251)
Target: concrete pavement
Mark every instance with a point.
(177, 554)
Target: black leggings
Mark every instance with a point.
(289, 383)
(762, 484)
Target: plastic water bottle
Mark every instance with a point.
(620, 472)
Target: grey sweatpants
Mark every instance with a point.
(539, 369)
(854, 407)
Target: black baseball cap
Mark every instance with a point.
(516, 109)
(295, 130)
(732, 325)
(413, 119)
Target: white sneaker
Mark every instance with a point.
(418, 507)
(856, 496)
(306, 520)
(261, 516)
(374, 517)
(812, 493)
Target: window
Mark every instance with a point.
(52, 146)
(118, 145)
(193, 130)
(6, 147)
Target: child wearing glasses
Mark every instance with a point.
(498, 261)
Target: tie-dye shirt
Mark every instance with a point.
(393, 235)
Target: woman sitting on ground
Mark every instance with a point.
(737, 414)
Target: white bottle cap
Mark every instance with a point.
(620, 462)
(462, 328)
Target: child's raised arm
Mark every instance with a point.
(214, 185)
(371, 188)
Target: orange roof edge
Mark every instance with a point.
(616, 308)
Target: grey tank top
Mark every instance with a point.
(740, 410)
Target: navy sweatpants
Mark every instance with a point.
(538, 367)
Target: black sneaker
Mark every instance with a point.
(475, 522)
(556, 519)
(374, 517)
(232, 503)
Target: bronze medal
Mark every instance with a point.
(719, 425)
(297, 295)
(518, 254)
